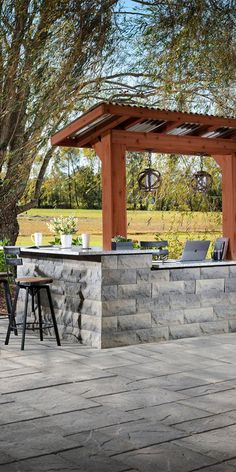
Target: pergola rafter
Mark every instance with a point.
(111, 129)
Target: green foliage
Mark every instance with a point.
(188, 50)
(53, 56)
(75, 241)
(3, 267)
(175, 192)
(120, 239)
(175, 238)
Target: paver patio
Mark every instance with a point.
(153, 407)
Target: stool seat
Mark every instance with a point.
(34, 280)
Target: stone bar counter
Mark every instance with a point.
(116, 298)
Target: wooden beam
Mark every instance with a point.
(77, 124)
(113, 189)
(173, 144)
(100, 130)
(228, 166)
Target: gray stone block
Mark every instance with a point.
(109, 292)
(109, 262)
(125, 338)
(145, 304)
(152, 335)
(216, 272)
(189, 286)
(58, 301)
(72, 303)
(162, 288)
(57, 288)
(185, 331)
(143, 275)
(89, 275)
(161, 301)
(119, 307)
(192, 300)
(212, 299)
(167, 317)
(225, 311)
(230, 285)
(232, 325)
(118, 276)
(92, 292)
(139, 261)
(134, 322)
(231, 297)
(72, 288)
(91, 323)
(134, 290)
(90, 338)
(109, 323)
(177, 300)
(197, 315)
(160, 274)
(91, 307)
(185, 274)
(210, 287)
(214, 327)
(232, 271)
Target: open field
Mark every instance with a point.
(142, 225)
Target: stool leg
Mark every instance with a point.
(9, 304)
(40, 314)
(12, 321)
(53, 316)
(33, 303)
(25, 319)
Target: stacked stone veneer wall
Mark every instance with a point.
(121, 301)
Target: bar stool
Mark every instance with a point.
(32, 287)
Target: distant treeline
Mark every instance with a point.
(75, 182)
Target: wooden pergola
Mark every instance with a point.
(111, 129)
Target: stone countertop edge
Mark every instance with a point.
(58, 251)
(190, 265)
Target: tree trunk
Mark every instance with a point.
(9, 227)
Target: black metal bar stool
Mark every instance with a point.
(32, 287)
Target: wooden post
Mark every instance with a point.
(114, 215)
(228, 167)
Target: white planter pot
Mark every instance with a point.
(66, 240)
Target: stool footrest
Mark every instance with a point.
(33, 325)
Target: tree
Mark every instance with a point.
(52, 55)
(186, 50)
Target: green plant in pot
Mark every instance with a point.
(63, 228)
(122, 243)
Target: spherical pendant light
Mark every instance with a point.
(149, 179)
(201, 181)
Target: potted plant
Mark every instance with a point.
(63, 228)
(120, 242)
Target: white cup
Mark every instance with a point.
(85, 240)
(37, 238)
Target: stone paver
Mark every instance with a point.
(161, 407)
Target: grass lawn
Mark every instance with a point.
(142, 225)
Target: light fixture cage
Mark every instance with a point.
(201, 181)
(149, 180)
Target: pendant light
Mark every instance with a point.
(201, 181)
(149, 180)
